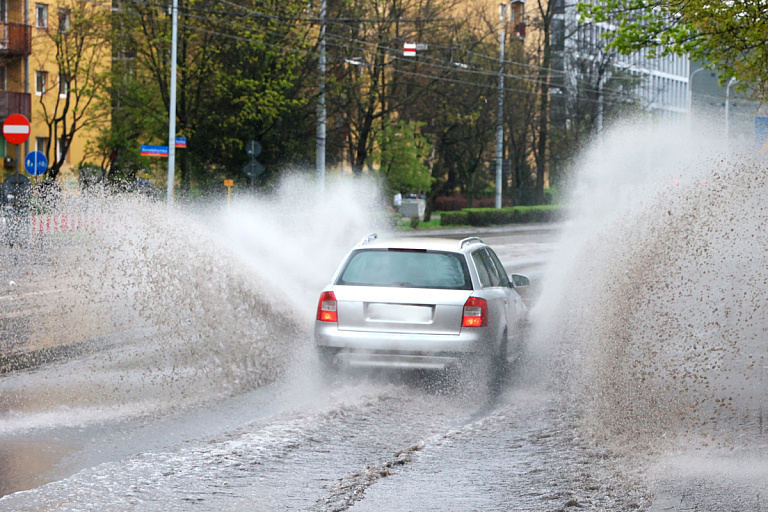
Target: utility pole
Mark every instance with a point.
(172, 109)
(600, 104)
(321, 111)
(500, 113)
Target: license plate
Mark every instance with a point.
(399, 313)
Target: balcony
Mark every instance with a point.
(15, 103)
(16, 40)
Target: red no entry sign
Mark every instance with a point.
(16, 129)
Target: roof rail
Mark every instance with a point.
(469, 241)
(370, 237)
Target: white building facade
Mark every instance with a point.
(659, 86)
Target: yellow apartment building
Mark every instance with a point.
(31, 82)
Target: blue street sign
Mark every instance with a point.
(181, 142)
(35, 163)
(148, 150)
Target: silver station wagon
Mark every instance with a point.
(420, 303)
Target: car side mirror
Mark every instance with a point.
(519, 281)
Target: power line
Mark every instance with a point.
(492, 59)
(433, 63)
(423, 60)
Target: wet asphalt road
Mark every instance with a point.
(365, 446)
(390, 443)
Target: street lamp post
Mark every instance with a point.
(500, 105)
(731, 82)
(500, 113)
(689, 99)
(172, 102)
(320, 141)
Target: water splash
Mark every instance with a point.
(166, 307)
(653, 319)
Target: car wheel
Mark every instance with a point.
(328, 370)
(497, 368)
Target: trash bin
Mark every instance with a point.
(413, 208)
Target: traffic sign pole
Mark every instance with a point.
(172, 109)
(228, 184)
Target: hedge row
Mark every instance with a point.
(457, 203)
(510, 215)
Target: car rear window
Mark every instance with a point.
(406, 269)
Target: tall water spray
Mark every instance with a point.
(162, 308)
(653, 317)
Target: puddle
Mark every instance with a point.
(24, 464)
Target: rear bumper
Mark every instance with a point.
(397, 350)
(468, 340)
(346, 359)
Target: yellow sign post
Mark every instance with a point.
(228, 184)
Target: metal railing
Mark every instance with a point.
(16, 39)
(15, 103)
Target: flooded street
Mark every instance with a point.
(164, 362)
(379, 446)
(119, 424)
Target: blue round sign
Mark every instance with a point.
(35, 163)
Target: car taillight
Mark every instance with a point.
(326, 308)
(475, 313)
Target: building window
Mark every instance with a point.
(41, 15)
(63, 86)
(60, 156)
(65, 20)
(40, 144)
(41, 81)
(3, 82)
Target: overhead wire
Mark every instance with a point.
(438, 65)
(331, 21)
(345, 42)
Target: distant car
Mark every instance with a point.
(420, 303)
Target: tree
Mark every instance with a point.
(239, 73)
(731, 36)
(372, 83)
(461, 111)
(401, 154)
(79, 52)
(359, 97)
(589, 90)
(542, 20)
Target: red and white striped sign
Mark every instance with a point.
(66, 222)
(409, 49)
(16, 129)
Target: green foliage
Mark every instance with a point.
(402, 152)
(731, 36)
(501, 216)
(239, 78)
(459, 218)
(410, 224)
(249, 71)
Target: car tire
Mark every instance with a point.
(329, 372)
(498, 367)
